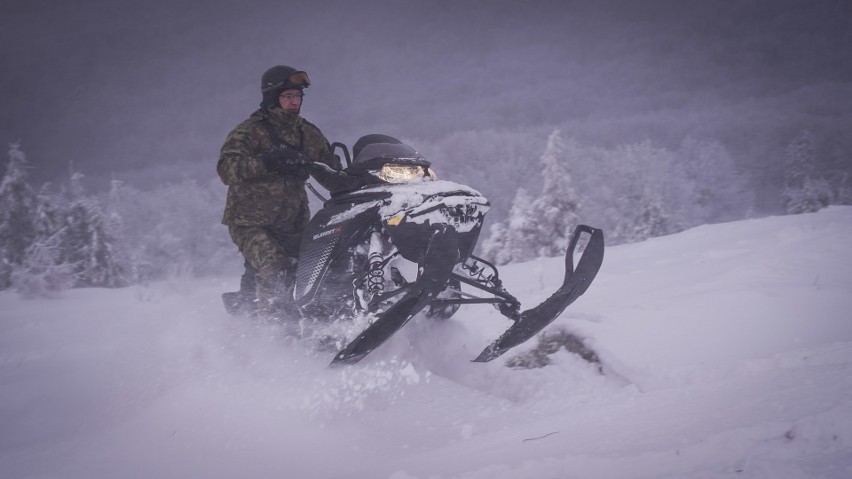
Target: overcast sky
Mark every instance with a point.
(117, 86)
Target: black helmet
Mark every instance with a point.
(280, 78)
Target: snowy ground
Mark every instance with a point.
(728, 348)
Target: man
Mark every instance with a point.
(265, 162)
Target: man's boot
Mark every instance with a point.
(243, 302)
(276, 303)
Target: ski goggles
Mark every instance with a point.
(296, 80)
(299, 79)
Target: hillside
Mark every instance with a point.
(728, 353)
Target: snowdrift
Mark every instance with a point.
(727, 352)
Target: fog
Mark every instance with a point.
(147, 91)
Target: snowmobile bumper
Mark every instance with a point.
(576, 281)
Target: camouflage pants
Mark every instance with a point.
(273, 253)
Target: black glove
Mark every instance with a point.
(342, 183)
(287, 161)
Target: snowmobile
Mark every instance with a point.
(399, 242)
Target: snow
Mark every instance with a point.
(728, 353)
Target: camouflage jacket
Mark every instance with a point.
(257, 197)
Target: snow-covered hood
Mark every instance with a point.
(417, 200)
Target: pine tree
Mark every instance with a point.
(17, 215)
(540, 226)
(804, 190)
(494, 247)
(554, 212)
(86, 243)
(115, 228)
(43, 274)
(650, 219)
(520, 235)
(844, 190)
(641, 207)
(715, 191)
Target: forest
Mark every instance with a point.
(58, 238)
(641, 118)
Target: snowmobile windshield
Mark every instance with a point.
(394, 163)
(380, 153)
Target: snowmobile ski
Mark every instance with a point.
(576, 281)
(440, 257)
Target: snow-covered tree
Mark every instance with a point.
(844, 190)
(649, 219)
(646, 176)
(43, 274)
(175, 228)
(116, 228)
(86, 242)
(17, 215)
(804, 190)
(554, 211)
(539, 226)
(515, 239)
(494, 246)
(716, 191)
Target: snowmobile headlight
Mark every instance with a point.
(401, 173)
(396, 220)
